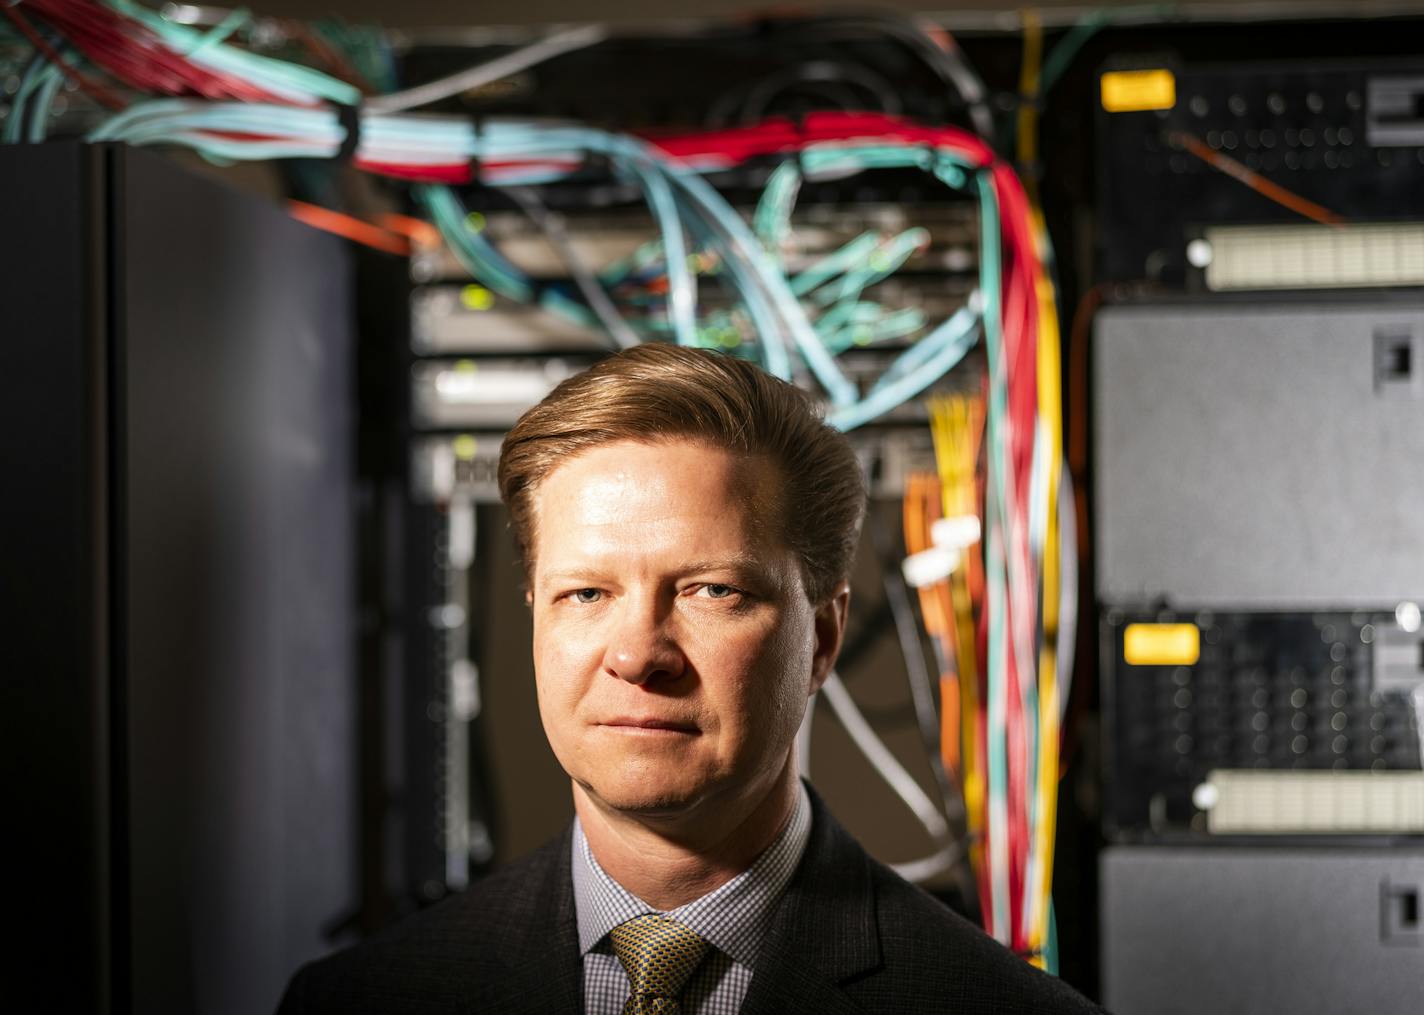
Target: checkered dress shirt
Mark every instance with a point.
(734, 919)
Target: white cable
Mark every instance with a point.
(885, 763)
(502, 67)
(935, 863)
(907, 632)
(803, 740)
(593, 291)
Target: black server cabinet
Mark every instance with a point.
(180, 710)
(1256, 488)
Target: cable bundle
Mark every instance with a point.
(1000, 719)
(1001, 607)
(1016, 753)
(152, 55)
(993, 614)
(682, 203)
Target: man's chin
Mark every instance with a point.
(637, 798)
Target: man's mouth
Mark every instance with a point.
(649, 724)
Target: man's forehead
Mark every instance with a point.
(625, 468)
(641, 494)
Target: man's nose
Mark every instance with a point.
(641, 647)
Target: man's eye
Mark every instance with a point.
(715, 591)
(587, 595)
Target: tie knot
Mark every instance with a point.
(659, 955)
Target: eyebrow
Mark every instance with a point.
(741, 565)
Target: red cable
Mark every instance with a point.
(129, 56)
(131, 52)
(453, 174)
(777, 135)
(1019, 327)
(98, 91)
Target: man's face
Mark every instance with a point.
(674, 646)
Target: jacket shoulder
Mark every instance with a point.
(930, 951)
(428, 961)
(880, 944)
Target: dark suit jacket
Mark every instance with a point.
(849, 935)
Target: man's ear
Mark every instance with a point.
(830, 631)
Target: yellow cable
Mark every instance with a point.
(1050, 414)
(1028, 102)
(952, 427)
(1049, 707)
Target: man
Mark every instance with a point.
(687, 525)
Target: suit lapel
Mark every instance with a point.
(824, 931)
(538, 942)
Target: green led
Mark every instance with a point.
(465, 447)
(476, 297)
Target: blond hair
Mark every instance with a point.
(657, 392)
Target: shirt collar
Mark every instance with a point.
(734, 918)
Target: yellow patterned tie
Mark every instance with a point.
(659, 955)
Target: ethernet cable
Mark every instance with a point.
(676, 195)
(1023, 538)
(885, 763)
(289, 81)
(505, 66)
(588, 284)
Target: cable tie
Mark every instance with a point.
(931, 566)
(477, 128)
(349, 117)
(798, 127)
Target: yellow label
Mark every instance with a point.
(1132, 91)
(1161, 644)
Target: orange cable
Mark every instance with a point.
(420, 232)
(1254, 180)
(920, 507)
(350, 227)
(949, 679)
